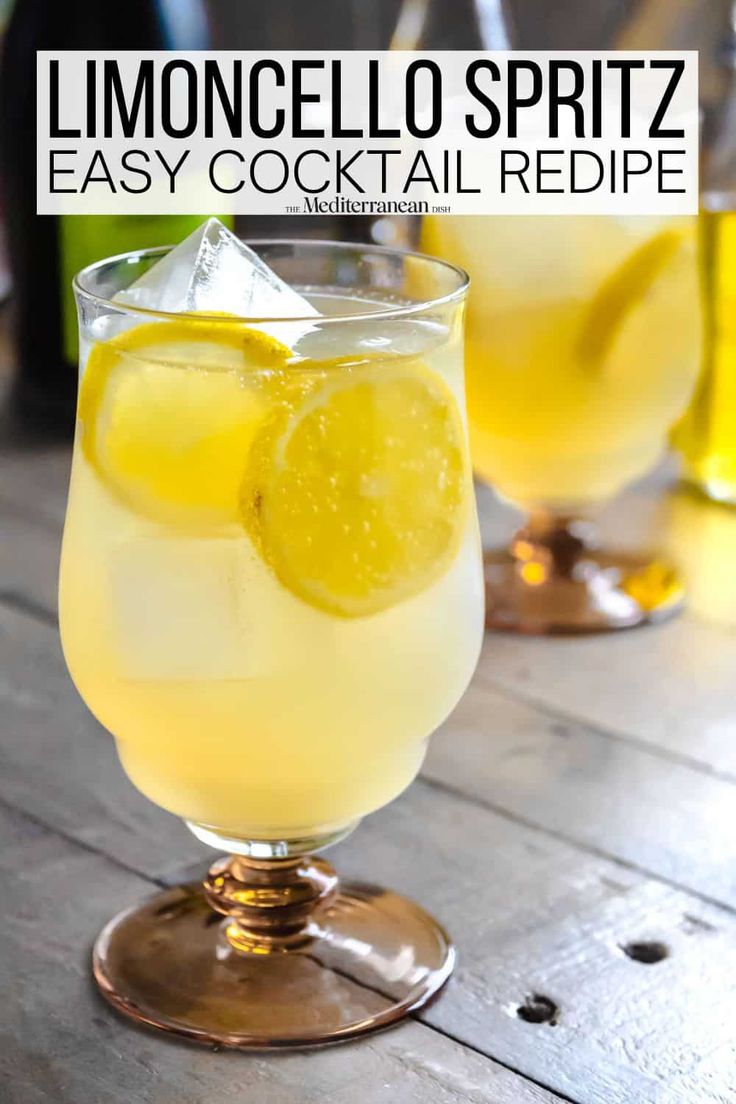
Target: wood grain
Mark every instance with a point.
(60, 1044)
(579, 800)
(530, 912)
(657, 814)
(669, 687)
(535, 916)
(60, 766)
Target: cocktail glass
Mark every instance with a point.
(271, 594)
(583, 347)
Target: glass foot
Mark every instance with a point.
(554, 579)
(296, 959)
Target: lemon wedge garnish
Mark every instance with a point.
(356, 492)
(168, 411)
(621, 292)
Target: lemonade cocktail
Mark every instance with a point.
(582, 349)
(271, 590)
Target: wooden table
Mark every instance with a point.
(573, 826)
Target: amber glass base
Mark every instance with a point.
(554, 578)
(271, 953)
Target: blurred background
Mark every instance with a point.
(39, 255)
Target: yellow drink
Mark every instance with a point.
(263, 673)
(582, 347)
(707, 433)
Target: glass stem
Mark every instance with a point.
(551, 545)
(271, 904)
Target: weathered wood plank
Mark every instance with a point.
(534, 916)
(59, 1043)
(531, 913)
(626, 801)
(669, 687)
(545, 917)
(58, 764)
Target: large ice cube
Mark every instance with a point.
(212, 270)
(175, 608)
(184, 608)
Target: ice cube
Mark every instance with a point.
(187, 608)
(212, 270)
(175, 608)
(371, 338)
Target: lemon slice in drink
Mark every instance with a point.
(621, 293)
(168, 411)
(356, 492)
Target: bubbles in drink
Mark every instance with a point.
(256, 509)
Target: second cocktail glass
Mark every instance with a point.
(583, 347)
(271, 594)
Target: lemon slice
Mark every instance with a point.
(356, 493)
(168, 411)
(621, 292)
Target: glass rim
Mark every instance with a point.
(399, 311)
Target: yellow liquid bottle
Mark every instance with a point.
(706, 436)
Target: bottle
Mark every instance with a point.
(45, 250)
(441, 25)
(452, 25)
(706, 434)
